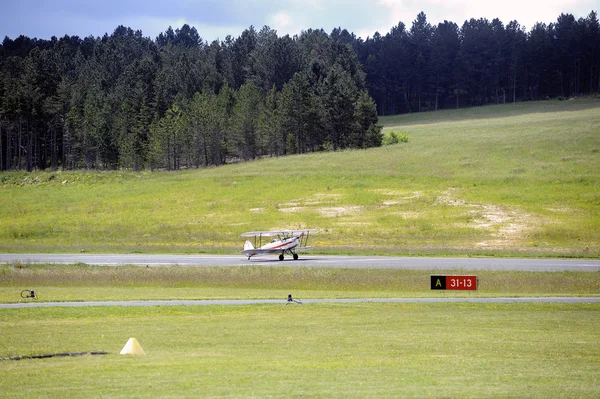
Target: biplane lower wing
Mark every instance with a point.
(258, 251)
(302, 249)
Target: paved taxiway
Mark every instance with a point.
(364, 262)
(224, 302)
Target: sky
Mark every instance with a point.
(215, 19)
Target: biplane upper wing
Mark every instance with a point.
(278, 233)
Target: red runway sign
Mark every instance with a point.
(465, 283)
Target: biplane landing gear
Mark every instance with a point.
(281, 257)
(295, 256)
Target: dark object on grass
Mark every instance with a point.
(61, 354)
(28, 294)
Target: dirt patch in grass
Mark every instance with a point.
(335, 211)
(293, 209)
(409, 215)
(330, 211)
(507, 226)
(405, 195)
(313, 204)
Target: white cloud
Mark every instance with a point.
(365, 17)
(214, 19)
(153, 26)
(283, 23)
(527, 13)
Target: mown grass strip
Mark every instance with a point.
(328, 350)
(97, 283)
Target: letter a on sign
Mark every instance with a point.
(438, 282)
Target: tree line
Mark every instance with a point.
(127, 101)
(431, 67)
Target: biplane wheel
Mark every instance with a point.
(295, 256)
(281, 257)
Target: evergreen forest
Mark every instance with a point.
(125, 101)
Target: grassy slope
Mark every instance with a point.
(502, 180)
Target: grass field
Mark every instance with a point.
(364, 350)
(325, 351)
(510, 180)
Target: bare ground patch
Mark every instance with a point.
(335, 211)
(329, 211)
(507, 226)
(313, 204)
(405, 195)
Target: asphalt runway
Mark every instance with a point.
(363, 262)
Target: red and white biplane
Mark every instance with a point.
(286, 241)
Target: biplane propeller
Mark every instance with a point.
(285, 241)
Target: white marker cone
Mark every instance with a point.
(132, 347)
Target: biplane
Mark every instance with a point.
(285, 241)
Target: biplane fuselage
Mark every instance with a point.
(287, 241)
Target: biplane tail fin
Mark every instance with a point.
(248, 245)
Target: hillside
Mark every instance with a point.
(510, 180)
